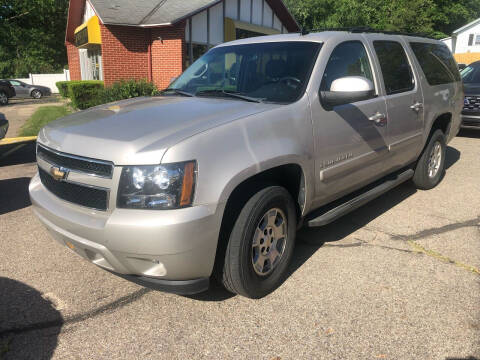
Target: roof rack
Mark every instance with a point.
(360, 29)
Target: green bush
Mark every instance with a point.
(85, 94)
(127, 89)
(63, 88)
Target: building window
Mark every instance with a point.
(243, 34)
(197, 51)
(470, 40)
(477, 40)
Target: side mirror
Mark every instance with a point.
(346, 90)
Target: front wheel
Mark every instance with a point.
(261, 244)
(3, 98)
(431, 164)
(36, 94)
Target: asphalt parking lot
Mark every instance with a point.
(397, 279)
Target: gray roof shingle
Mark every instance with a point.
(147, 12)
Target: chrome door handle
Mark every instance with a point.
(417, 106)
(379, 119)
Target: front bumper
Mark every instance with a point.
(170, 250)
(470, 121)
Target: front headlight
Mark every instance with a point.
(168, 186)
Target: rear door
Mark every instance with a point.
(405, 107)
(350, 145)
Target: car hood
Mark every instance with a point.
(472, 88)
(139, 131)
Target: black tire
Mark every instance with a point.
(36, 94)
(421, 177)
(3, 99)
(239, 275)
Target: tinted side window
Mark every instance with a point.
(397, 73)
(437, 63)
(471, 74)
(347, 59)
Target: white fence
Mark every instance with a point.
(47, 80)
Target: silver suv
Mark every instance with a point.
(256, 138)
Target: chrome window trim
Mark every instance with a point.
(93, 161)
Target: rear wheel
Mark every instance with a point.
(261, 244)
(3, 98)
(36, 94)
(431, 164)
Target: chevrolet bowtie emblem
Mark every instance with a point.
(58, 173)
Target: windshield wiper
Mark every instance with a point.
(228, 94)
(178, 92)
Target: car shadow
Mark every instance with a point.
(452, 155)
(29, 323)
(471, 133)
(14, 194)
(24, 155)
(309, 240)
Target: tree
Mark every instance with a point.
(436, 18)
(32, 36)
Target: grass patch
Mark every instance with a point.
(42, 117)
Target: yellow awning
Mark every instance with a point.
(88, 33)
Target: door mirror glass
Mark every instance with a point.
(346, 90)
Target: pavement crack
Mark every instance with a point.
(417, 248)
(105, 309)
(434, 254)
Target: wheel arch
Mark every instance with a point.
(443, 122)
(290, 175)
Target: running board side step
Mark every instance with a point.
(362, 199)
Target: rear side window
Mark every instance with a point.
(348, 59)
(437, 63)
(396, 71)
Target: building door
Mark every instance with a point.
(91, 63)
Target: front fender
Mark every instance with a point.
(230, 154)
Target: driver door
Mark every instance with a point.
(350, 138)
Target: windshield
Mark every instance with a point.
(273, 72)
(471, 74)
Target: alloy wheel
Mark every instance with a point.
(435, 160)
(3, 99)
(269, 241)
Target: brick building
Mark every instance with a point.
(157, 39)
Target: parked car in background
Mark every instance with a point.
(3, 126)
(471, 84)
(7, 91)
(25, 90)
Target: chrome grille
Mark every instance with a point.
(76, 163)
(471, 104)
(84, 195)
